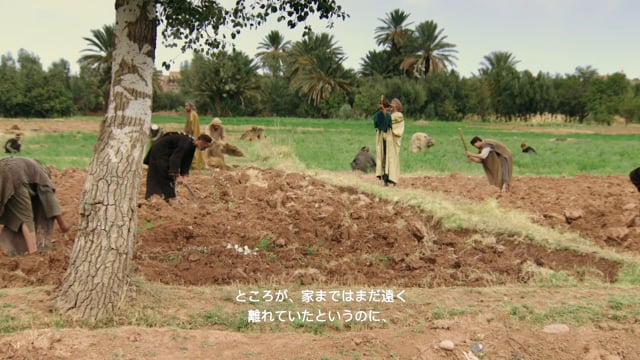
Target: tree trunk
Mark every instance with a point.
(96, 281)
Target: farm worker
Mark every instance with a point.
(155, 133)
(192, 127)
(363, 161)
(634, 175)
(214, 156)
(216, 130)
(27, 203)
(496, 159)
(393, 142)
(527, 149)
(13, 145)
(382, 123)
(169, 160)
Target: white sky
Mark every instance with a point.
(553, 36)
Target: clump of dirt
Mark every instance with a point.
(255, 225)
(605, 209)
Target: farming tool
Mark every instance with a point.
(463, 142)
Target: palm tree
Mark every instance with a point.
(274, 48)
(430, 52)
(375, 63)
(100, 49)
(498, 60)
(314, 68)
(394, 33)
(100, 56)
(499, 72)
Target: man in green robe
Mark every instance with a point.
(382, 123)
(28, 206)
(496, 159)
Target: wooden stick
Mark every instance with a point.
(193, 195)
(463, 142)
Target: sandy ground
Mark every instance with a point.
(306, 232)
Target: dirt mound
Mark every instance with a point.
(605, 209)
(264, 225)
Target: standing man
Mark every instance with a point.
(13, 145)
(28, 205)
(169, 161)
(192, 127)
(382, 124)
(496, 159)
(394, 141)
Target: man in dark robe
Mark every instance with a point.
(13, 145)
(28, 206)
(363, 161)
(634, 175)
(496, 159)
(155, 133)
(169, 160)
(527, 149)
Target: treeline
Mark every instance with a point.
(231, 84)
(307, 78)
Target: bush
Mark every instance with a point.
(345, 112)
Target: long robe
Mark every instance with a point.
(216, 132)
(394, 141)
(498, 165)
(192, 127)
(634, 176)
(382, 123)
(12, 146)
(169, 157)
(27, 196)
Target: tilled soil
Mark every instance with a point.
(298, 229)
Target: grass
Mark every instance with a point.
(182, 307)
(316, 144)
(331, 145)
(269, 246)
(145, 225)
(488, 218)
(66, 150)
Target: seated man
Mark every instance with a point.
(363, 161)
(13, 145)
(527, 149)
(28, 205)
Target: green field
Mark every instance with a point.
(332, 144)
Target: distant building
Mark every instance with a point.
(171, 82)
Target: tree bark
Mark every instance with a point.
(97, 278)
